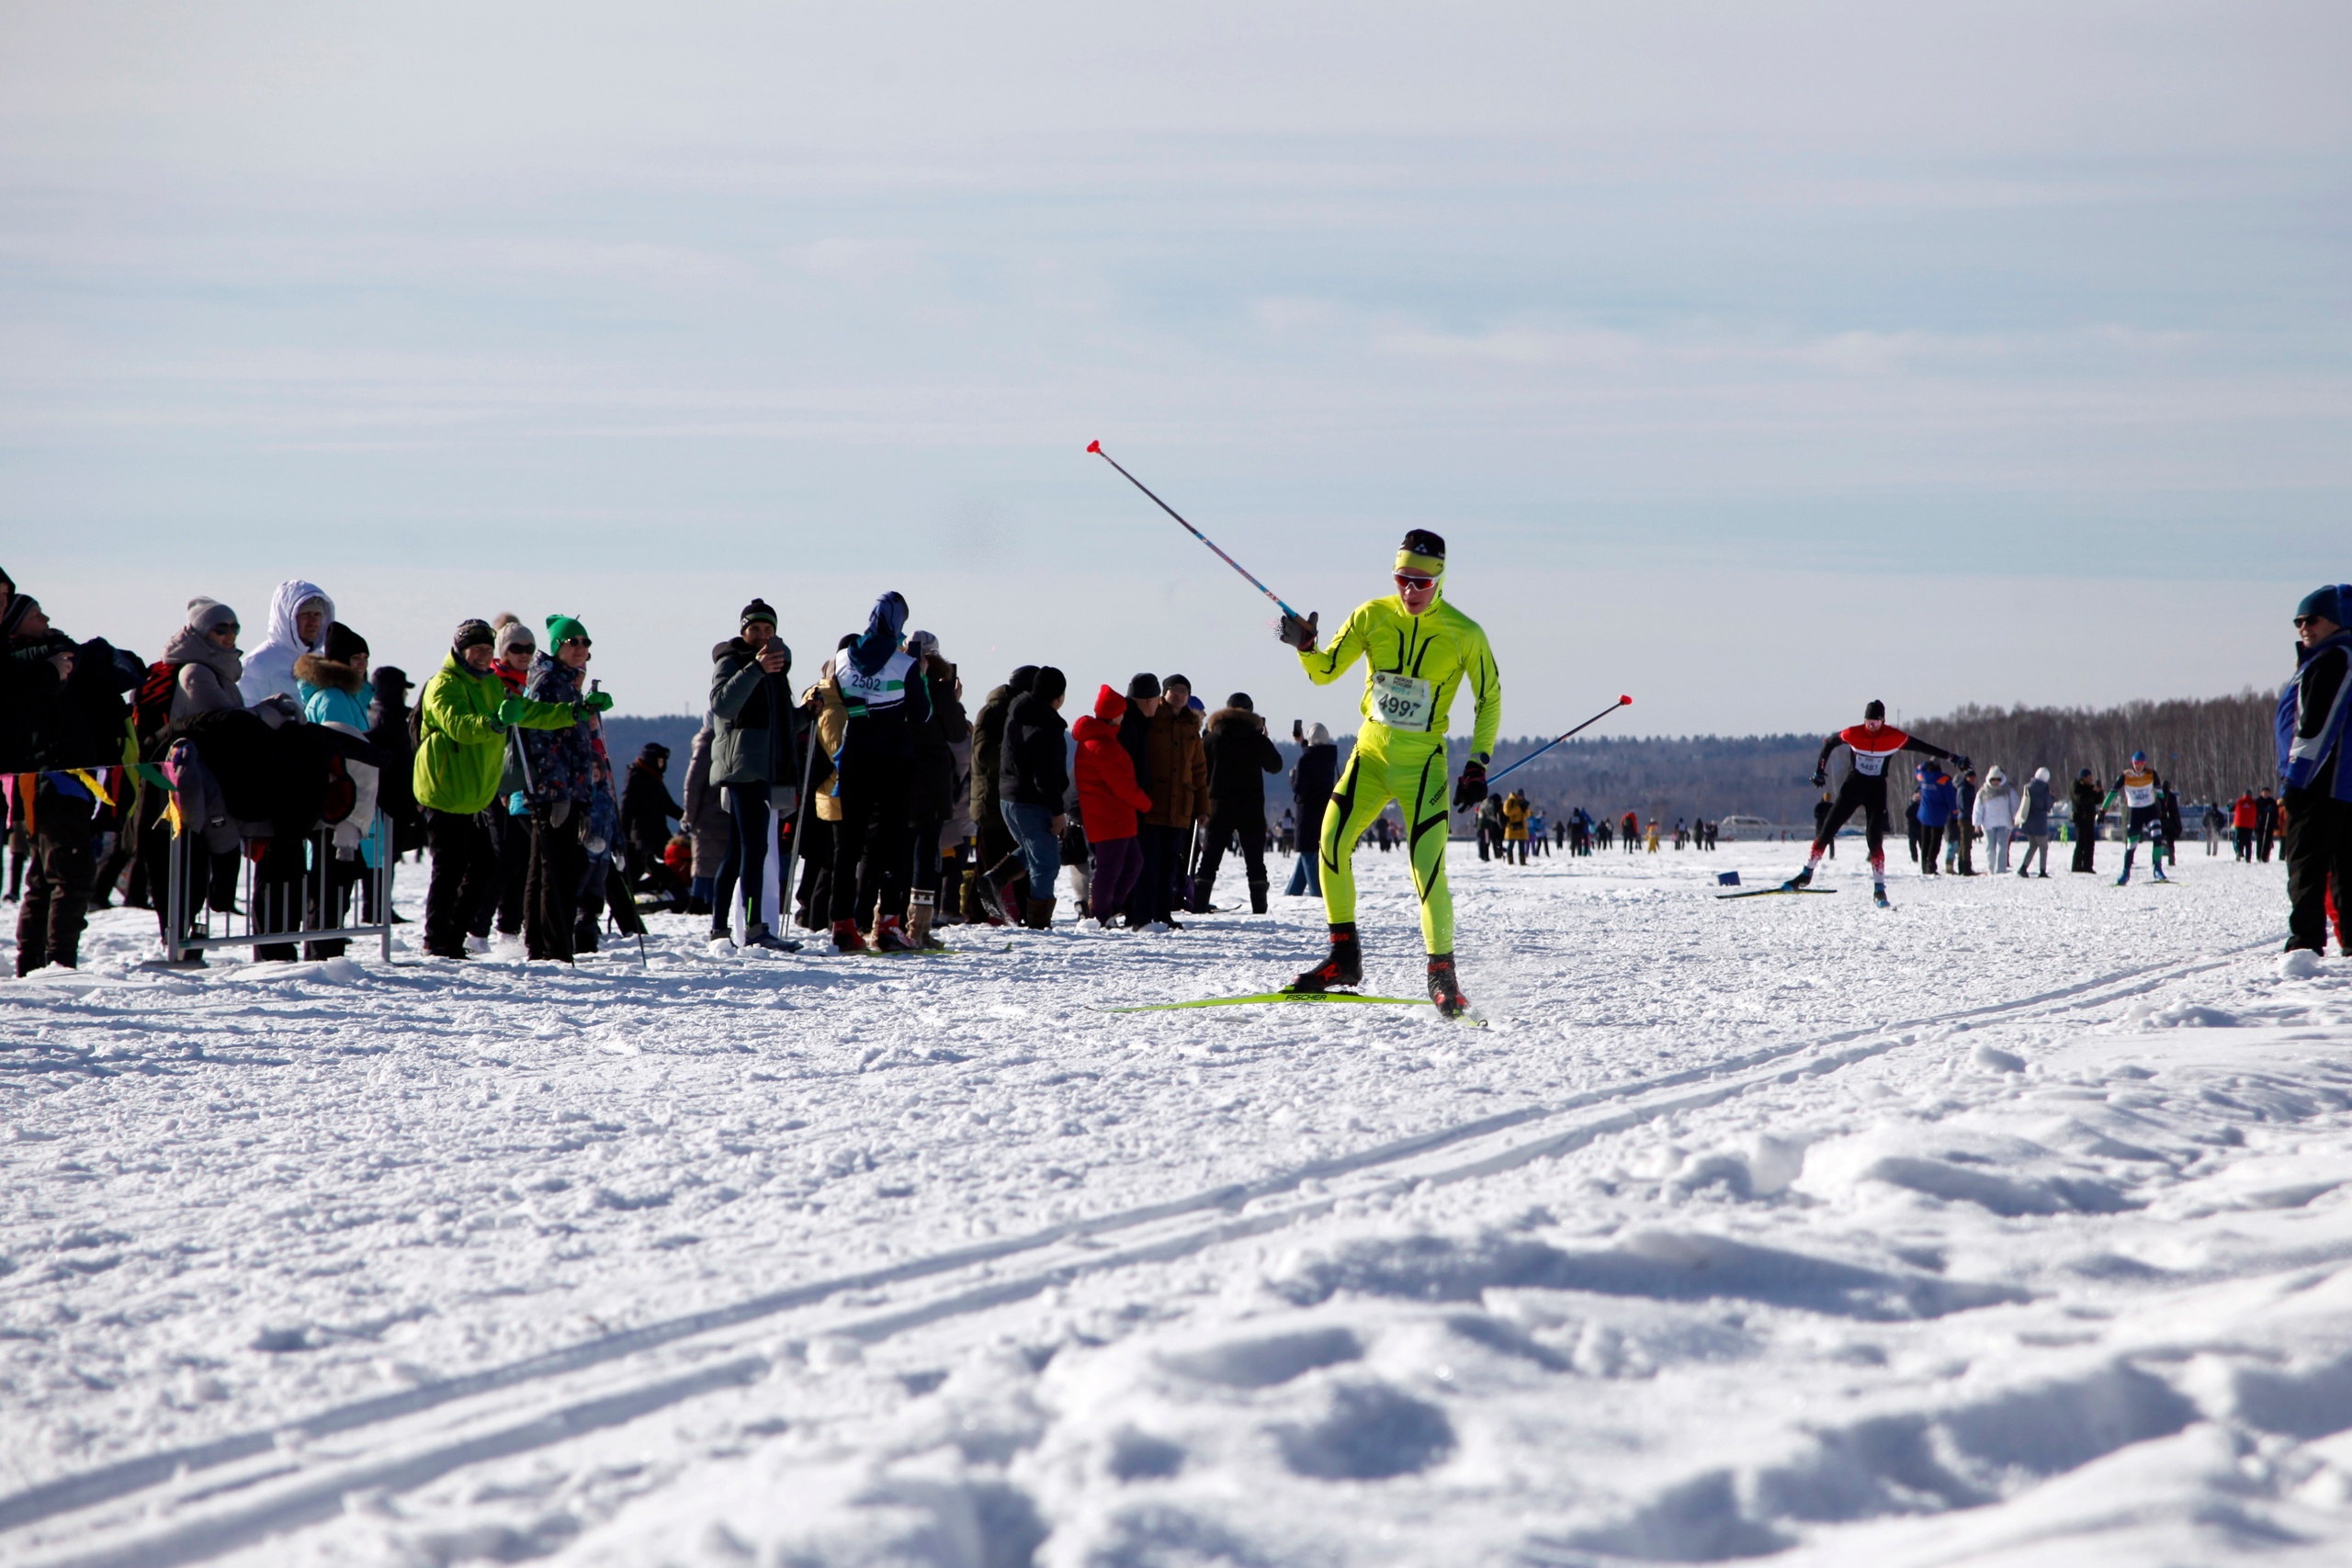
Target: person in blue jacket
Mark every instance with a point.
(2318, 793)
(1939, 798)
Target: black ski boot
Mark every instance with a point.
(1343, 967)
(1802, 879)
(1445, 990)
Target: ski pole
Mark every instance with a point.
(1096, 447)
(799, 820)
(1596, 718)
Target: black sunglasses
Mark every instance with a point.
(2303, 621)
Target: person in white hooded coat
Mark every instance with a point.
(300, 614)
(1996, 812)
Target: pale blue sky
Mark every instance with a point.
(1756, 359)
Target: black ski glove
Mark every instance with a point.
(1821, 778)
(1471, 787)
(1961, 764)
(1301, 634)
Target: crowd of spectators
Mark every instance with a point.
(867, 805)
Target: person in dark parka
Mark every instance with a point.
(2086, 798)
(1240, 758)
(647, 808)
(77, 721)
(1311, 790)
(2312, 723)
(388, 734)
(999, 875)
(1033, 783)
(932, 800)
(755, 757)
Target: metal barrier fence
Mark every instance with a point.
(282, 903)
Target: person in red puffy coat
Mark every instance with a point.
(1108, 801)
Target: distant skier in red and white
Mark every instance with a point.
(1873, 742)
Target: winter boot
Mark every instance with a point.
(847, 940)
(1445, 990)
(1041, 915)
(1344, 966)
(1257, 897)
(889, 936)
(1198, 902)
(922, 909)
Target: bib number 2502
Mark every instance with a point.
(1402, 701)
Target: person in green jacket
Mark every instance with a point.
(462, 720)
(1418, 650)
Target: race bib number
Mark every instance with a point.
(1402, 701)
(1870, 764)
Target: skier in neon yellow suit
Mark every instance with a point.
(1418, 650)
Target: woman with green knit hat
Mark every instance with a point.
(560, 781)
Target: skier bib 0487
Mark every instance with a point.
(1402, 701)
(1871, 751)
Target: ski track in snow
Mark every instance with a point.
(2011, 1225)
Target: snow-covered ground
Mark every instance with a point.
(2012, 1225)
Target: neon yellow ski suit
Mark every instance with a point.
(1415, 663)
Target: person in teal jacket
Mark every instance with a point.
(1417, 651)
(462, 720)
(333, 686)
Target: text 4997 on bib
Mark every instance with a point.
(1402, 701)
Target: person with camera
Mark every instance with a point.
(757, 734)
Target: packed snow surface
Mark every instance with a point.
(2011, 1225)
